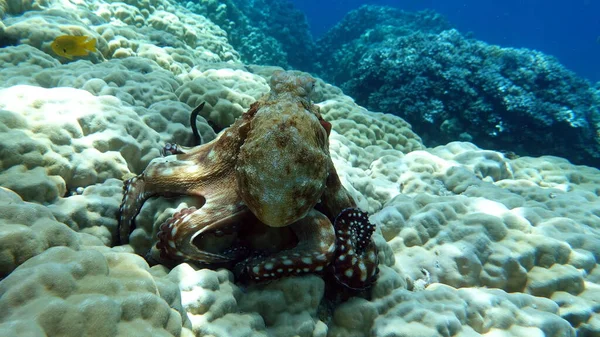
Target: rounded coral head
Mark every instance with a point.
(296, 84)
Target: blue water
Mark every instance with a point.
(566, 29)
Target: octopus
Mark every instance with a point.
(271, 200)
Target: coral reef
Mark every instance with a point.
(265, 32)
(173, 37)
(470, 241)
(450, 87)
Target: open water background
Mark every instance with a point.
(566, 29)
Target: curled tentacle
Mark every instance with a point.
(183, 174)
(314, 251)
(356, 261)
(176, 242)
(168, 231)
(135, 192)
(196, 135)
(171, 149)
(134, 195)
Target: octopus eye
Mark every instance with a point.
(326, 125)
(64, 50)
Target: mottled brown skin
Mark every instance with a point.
(271, 167)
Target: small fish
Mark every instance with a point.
(69, 46)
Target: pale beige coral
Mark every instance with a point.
(28, 229)
(289, 307)
(537, 236)
(56, 140)
(217, 307)
(173, 37)
(135, 81)
(211, 301)
(371, 133)
(16, 7)
(19, 64)
(360, 141)
(227, 92)
(60, 138)
(86, 292)
(441, 310)
(580, 309)
(91, 210)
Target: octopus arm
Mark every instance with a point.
(356, 260)
(177, 234)
(314, 251)
(170, 149)
(196, 172)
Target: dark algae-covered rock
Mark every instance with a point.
(451, 87)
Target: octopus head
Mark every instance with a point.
(283, 164)
(288, 82)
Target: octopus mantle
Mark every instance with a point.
(272, 200)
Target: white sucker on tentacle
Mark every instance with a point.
(355, 263)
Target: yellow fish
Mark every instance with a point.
(69, 46)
